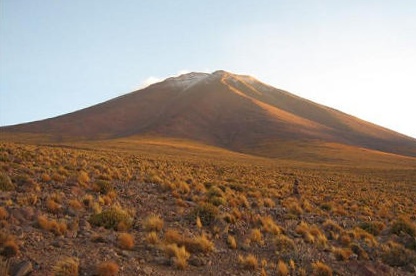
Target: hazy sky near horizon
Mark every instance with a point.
(356, 56)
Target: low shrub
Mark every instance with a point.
(396, 255)
(371, 227)
(6, 183)
(207, 213)
(10, 249)
(284, 244)
(403, 225)
(112, 218)
(359, 251)
(103, 186)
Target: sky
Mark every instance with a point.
(356, 56)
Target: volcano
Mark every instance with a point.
(226, 110)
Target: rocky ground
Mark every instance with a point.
(53, 200)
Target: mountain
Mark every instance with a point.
(222, 109)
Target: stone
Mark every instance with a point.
(22, 269)
(197, 261)
(147, 270)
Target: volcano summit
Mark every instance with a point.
(222, 109)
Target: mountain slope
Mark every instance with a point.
(221, 109)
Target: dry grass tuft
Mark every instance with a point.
(321, 269)
(58, 228)
(125, 241)
(45, 177)
(173, 236)
(256, 236)
(53, 206)
(248, 262)
(282, 268)
(268, 202)
(75, 204)
(270, 226)
(198, 222)
(153, 223)
(342, 254)
(66, 267)
(199, 244)
(179, 255)
(107, 268)
(3, 213)
(232, 243)
(152, 238)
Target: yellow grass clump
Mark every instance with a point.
(321, 269)
(248, 262)
(282, 268)
(153, 223)
(231, 241)
(66, 267)
(58, 228)
(179, 254)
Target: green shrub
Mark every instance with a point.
(207, 213)
(215, 191)
(396, 255)
(403, 225)
(326, 206)
(373, 228)
(103, 186)
(113, 217)
(284, 244)
(357, 249)
(217, 201)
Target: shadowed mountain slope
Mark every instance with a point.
(222, 109)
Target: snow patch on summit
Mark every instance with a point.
(187, 80)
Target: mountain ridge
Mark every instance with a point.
(221, 109)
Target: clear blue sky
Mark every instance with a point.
(356, 56)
